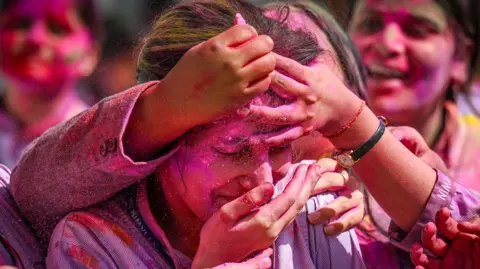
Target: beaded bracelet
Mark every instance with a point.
(349, 124)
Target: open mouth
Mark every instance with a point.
(380, 72)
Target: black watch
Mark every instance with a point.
(348, 158)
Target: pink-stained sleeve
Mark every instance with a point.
(86, 241)
(79, 163)
(463, 203)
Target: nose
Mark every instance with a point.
(392, 41)
(258, 169)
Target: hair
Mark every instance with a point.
(348, 55)
(464, 15)
(87, 11)
(188, 24)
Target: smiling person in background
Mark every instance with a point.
(419, 54)
(47, 47)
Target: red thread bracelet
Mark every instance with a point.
(349, 124)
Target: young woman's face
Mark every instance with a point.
(408, 47)
(44, 43)
(221, 163)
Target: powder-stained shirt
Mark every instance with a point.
(123, 233)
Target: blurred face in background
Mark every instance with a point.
(410, 50)
(45, 46)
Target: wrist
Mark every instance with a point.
(359, 131)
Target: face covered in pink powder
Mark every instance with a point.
(221, 162)
(45, 45)
(409, 49)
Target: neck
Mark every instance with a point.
(29, 108)
(182, 227)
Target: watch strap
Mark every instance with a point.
(367, 146)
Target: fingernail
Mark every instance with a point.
(330, 229)
(239, 19)
(318, 218)
(266, 263)
(244, 111)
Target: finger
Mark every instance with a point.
(460, 250)
(234, 210)
(347, 221)
(419, 258)
(271, 212)
(262, 259)
(259, 69)
(282, 203)
(292, 113)
(255, 88)
(254, 49)
(291, 87)
(336, 208)
(471, 226)
(331, 181)
(284, 136)
(291, 67)
(330, 165)
(410, 138)
(239, 19)
(430, 240)
(266, 253)
(447, 226)
(235, 36)
(302, 194)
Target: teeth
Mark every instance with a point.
(379, 71)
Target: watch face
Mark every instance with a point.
(345, 160)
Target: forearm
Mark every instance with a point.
(154, 123)
(80, 162)
(399, 181)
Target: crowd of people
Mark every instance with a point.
(255, 137)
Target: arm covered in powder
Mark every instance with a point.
(85, 160)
